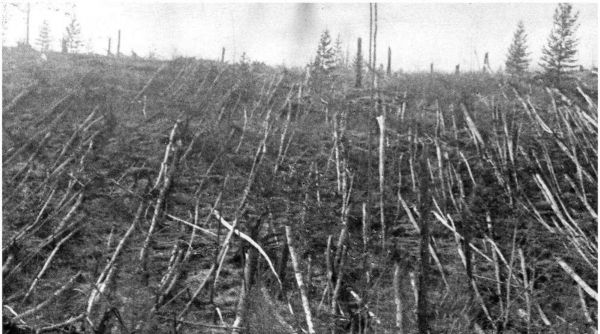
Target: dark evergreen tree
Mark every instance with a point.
(325, 61)
(73, 35)
(358, 64)
(558, 58)
(43, 39)
(516, 61)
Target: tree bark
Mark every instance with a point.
(422, 317)
(381, 122)
(119, 43)
(389, 62)
(398, 300)
(282, 265)
(300, 281)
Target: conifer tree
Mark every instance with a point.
(73, 35)
(245, 62)
(339, 54)
(516, 61)
(325, 60)
(558, 58)
(43, 39)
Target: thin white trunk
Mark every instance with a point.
(300, 281)
(337, 154)
(577, 279)
(398, 300)
(526, 286)
(47, 263)
(381, 122)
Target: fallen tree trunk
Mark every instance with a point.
(300, 281)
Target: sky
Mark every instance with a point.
(288, 33)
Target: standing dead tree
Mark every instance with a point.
(398, 300)
(374, 105)
(424, 207)
(486, 63)
(389, 62)
(381, 123)
(358, 64)
(119, 43)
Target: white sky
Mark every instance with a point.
(445, 34)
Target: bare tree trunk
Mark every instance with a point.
(300, 281)
(108, 50)
(242, 307)
(467, 252)
(389, 62)
(329, 265)
(66, 286)
(309, 274)
(338, 283)
(413, 285)
(584, 307)
(47, 263)
(374, 41)
(486, 63)
(527, 289)
(336, 151)
(424, 204)
(253, 254)
(167, 181)
(358, 64)
(370, 36)
(119, 43)
(497, 264)
(381, 122)
(368, 122)
(282, 265)
(398, 300)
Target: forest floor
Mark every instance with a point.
(122, 179)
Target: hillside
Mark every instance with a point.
(163, 196)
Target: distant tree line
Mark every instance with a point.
(558, 55)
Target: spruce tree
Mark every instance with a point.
(245, 62)
(516, 61)
(325, 60)
(72, 35)
(558, 58)
(43, 39)
(339, 54)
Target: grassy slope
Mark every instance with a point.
(212, 97)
